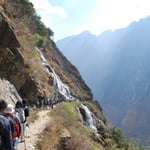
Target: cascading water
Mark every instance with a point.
(62, 88)
(89, 119)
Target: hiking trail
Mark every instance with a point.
(35, 129)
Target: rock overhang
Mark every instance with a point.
(8, 38)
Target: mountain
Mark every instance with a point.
(32, 67)
(115, 65)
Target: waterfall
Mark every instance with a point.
(62, 88)
(89, 119)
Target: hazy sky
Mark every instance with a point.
(69, 17)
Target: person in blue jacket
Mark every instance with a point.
(5, 129)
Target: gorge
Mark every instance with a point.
(115, 65)
(31, 66)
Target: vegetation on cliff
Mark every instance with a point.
(67, 131)
(29, 71)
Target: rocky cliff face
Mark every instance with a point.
(20, 61)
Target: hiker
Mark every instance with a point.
(46, 102)
(51, 103)
(20, 114)
(5, 129)
(39, 101)
(15, 125)
(26, 110)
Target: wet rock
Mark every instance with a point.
(83, 113)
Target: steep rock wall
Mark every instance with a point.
(20, 61)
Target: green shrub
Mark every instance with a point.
(39, 40)
(121, 140)
(28, 6)
(39, 27)
(34, 21)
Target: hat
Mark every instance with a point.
(9, 109)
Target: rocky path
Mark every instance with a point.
(35, 129)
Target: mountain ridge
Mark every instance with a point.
(117, 71)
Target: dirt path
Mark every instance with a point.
(34, 130)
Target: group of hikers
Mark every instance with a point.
(12, 124)
(44, 102)
(13, 119)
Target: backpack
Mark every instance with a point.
(5, 125)
(20, 114)
(15, 126)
